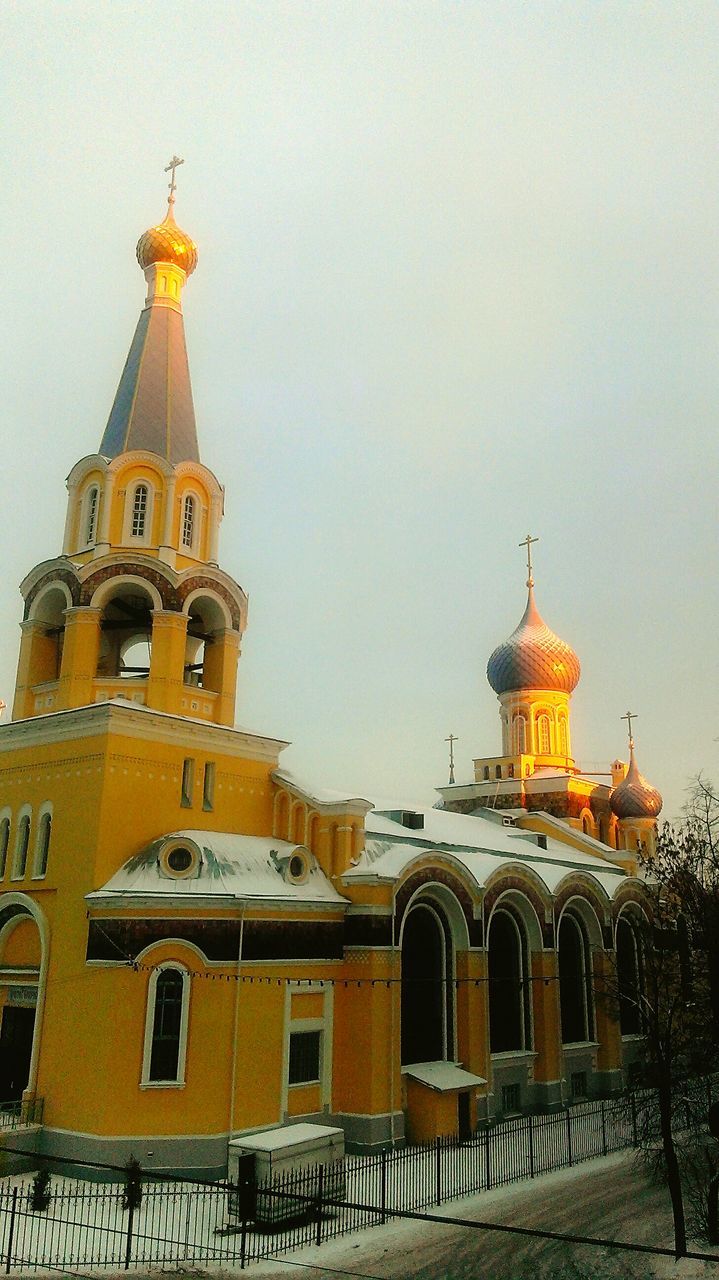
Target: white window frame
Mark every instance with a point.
(25, 812)
(145, 538)
(190, 548)
(179, 1082)
(45, 812)
(323, 1024)
(90, 516)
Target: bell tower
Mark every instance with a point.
(136, 607)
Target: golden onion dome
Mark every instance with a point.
(167, 243)
(635, 797)
(533, 657)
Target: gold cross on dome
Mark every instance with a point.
(631, 715)
(527, 542)
(451, 740)
(174, 164)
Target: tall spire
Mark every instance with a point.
(153, 406)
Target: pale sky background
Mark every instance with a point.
(458, 280)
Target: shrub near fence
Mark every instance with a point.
(86, 1225)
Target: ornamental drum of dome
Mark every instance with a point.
(533, 658)
(167, 243)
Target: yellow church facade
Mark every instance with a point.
(195, 944)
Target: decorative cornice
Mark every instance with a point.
(131, 721)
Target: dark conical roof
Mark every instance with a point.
(153, 407)
(533, 657)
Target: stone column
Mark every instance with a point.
(547, 1029)
(80, 655)
(222, 655)
(167, 660)
(606, 1013)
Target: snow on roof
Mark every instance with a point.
(290, 1135)
(480, 845)
(231, 866)
(322, 795)
(444, 1077)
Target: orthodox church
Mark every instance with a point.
(196, 944)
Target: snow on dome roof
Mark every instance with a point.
(635, 797)
(533, 657)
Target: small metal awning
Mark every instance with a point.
(443, 1077)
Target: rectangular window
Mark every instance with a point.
(511, 1099)
(304, 1057)
(208, 786)
(578, 1085)
(188, 783)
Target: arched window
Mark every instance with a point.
(563, 736)
(22, 844)
(629, 976)
(520, 734)
(139, 511)
(166, 1027)
(509, 1009)
(188, 521)
(42, 850)
(543, 733)
(92, 501)
(575, 981)
(4, 842)
(427, 1009)
(486, 773)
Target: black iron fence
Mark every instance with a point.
(21, 1114)
(91, 1225)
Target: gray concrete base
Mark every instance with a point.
(607, 1084)
(546, 1095)
(187, 1157)
(26, 1140)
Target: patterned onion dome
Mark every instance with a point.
(533, 657)
(167, 243)
(635, 797)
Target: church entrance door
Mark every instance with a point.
(16, 1033)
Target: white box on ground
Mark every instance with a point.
(306, 1159)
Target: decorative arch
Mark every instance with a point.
(166, 1026)
(282, 815)
(18, 904)
(509, 973)
(440, 879)
(43, 837)
(111, 583)
(23, 826)
(298, 830)
(50, 602)
(428, 948)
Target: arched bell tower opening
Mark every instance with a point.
(126, 633)
(208, 620)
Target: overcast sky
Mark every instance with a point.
(458, 281)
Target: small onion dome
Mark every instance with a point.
(167, 243)
(533, 658)
(635, 797)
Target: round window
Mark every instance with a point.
(179, 860)
(297, 866)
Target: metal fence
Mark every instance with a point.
(86, 1224)
(21, 1114)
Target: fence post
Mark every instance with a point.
(531, 1147)
(437, 1169)
(243, 1241)
(635, 1139)
(488, 1158)
(128, 1245)
(569, 1133)
(383, 1185)
(320, 1191)
(604, 1129)
(11, 1234)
